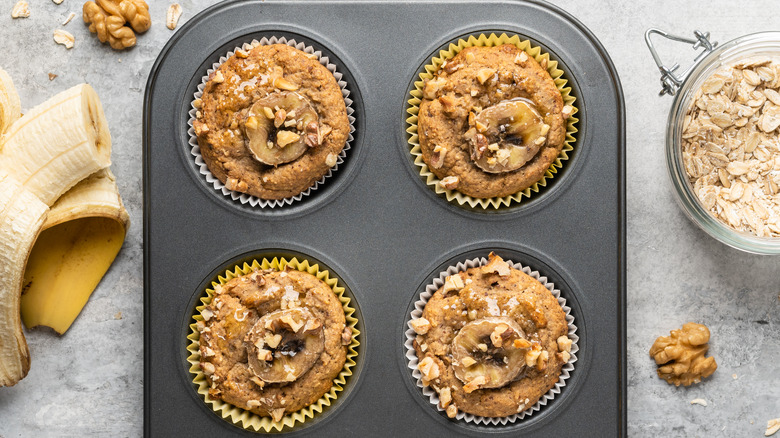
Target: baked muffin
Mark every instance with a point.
(491, 341)
(271, 121)
(491, 121)
(272, 342)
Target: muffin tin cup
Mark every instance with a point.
(433, 396)
(246, 419)
(245, 198)
(434, 64)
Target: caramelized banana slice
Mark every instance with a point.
(484, 354)
(280, 127)
(507, 135)
(284, 344)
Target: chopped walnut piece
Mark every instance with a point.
(474, 384)
(331, 159)
(484, 74)
(251, 404)
(449, 182)
(284, 84)
(257, 381)
(445, 397)
(452, 411)
(532, 355)
(541, 362)
(208, 368)
(277, 414)
(496, 338)
(496, 264)
(521, 343)
(346, 336)
(682, 355)
(429, 370)
(452, 283)
(564, 343)
(420, 325)
(467, 361)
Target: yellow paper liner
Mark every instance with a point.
(247, 419)
(414, 107)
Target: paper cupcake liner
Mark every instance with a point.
(247, 419)
(433, 396)
(245, 198)
(414, 107)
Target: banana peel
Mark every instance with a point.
(58, 254)
(10, 105)
(22, 216)
(81, 238)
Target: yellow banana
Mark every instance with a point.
(83, 234)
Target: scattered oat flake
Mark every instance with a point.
(734, 376)
(71, 16)
(172, 16)
(699, 401)
(52, 76)
(21, 10)
(772, 426)
(118, 315)
(65, 38)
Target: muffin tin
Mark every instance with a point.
(375, 224)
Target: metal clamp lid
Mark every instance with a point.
(669, 81)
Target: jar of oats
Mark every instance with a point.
(723, 138)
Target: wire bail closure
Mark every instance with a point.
(670, 82)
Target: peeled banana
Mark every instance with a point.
(83, 234)
(45, 157)
(58, 143)
(22, 216)
(10, 106)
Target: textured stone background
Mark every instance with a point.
(90, 381)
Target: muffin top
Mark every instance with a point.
(271, 342)
(491, 341)
(272, 121)
(491, 121)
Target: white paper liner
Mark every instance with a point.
(433, 396)
(245, 198)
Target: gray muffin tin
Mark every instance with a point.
(376, 225)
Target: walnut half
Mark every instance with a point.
(115, 20)
(682, 355)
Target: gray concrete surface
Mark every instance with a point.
(90, 381)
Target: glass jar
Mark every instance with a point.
(684, 87)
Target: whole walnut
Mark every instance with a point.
(682, 355)
(115, 20)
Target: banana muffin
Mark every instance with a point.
(271, 121)
(491, 121)
(491, 341)
(271, 342)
